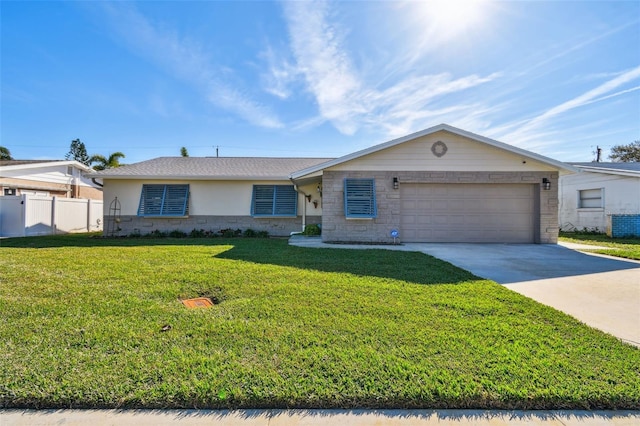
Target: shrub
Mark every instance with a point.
(262, 234)
(311, 230)
(156, 233)
(230, 233)
(198, 233)
(176, 233)
(249, 233)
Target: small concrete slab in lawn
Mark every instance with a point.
(198, 302)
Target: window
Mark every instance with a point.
(590, 199)
(274, 200)
(360, 198)
(164, 200)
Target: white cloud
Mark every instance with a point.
(279, 76)
(345, 98)
(530, 130)
(185, 60)
(327, 70)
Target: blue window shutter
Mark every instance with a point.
(360, 198)
(175, 200)
(262, 204)
(151, 200)
(274, 200)
(164, 200)
(286, 201)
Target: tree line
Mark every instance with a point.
(78, 152)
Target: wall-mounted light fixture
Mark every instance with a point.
(546, 184)
(315, 204)
(395, 183)
(308, 197)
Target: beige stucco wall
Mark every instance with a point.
(213, 205)
(462, 154)
(212, 198)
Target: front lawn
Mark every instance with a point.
(89, 322)
(620, 247)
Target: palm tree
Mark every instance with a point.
(5, 154)
(106, 162)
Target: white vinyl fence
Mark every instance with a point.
(28, 215)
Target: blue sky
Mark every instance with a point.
(315, 79)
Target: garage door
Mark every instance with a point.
(487, 213)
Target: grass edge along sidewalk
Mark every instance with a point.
(628, 248)
(98, 323)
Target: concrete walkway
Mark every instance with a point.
(601, 291)
(316, 417)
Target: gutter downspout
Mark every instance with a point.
(304, 207)
(96, 182)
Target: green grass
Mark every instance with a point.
(81, 326)
(621, 247)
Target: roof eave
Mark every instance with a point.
(75, 163)
(187, 177)
(608, 171)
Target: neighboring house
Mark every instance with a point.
(589, 199)
(442, 184)
(47, 178)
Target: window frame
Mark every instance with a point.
(360, 198)
(283, 200)
(589, 199)
(173, 202)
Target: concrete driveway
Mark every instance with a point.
(603, 292)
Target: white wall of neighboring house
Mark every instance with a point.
(45, 179)
(620, 195)
(62, 174)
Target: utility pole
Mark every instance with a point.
(217, 146)
(598, 154)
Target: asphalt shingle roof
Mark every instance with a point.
(628, 167)
(202, 168)
(23, 162)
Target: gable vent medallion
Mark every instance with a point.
(439, 149)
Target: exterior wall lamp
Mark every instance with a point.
(546, 184)
(395, 183)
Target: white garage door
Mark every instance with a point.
(487, 213)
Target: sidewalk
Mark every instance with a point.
(316, 417)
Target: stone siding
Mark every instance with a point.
(277, 227)
(337, 228)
